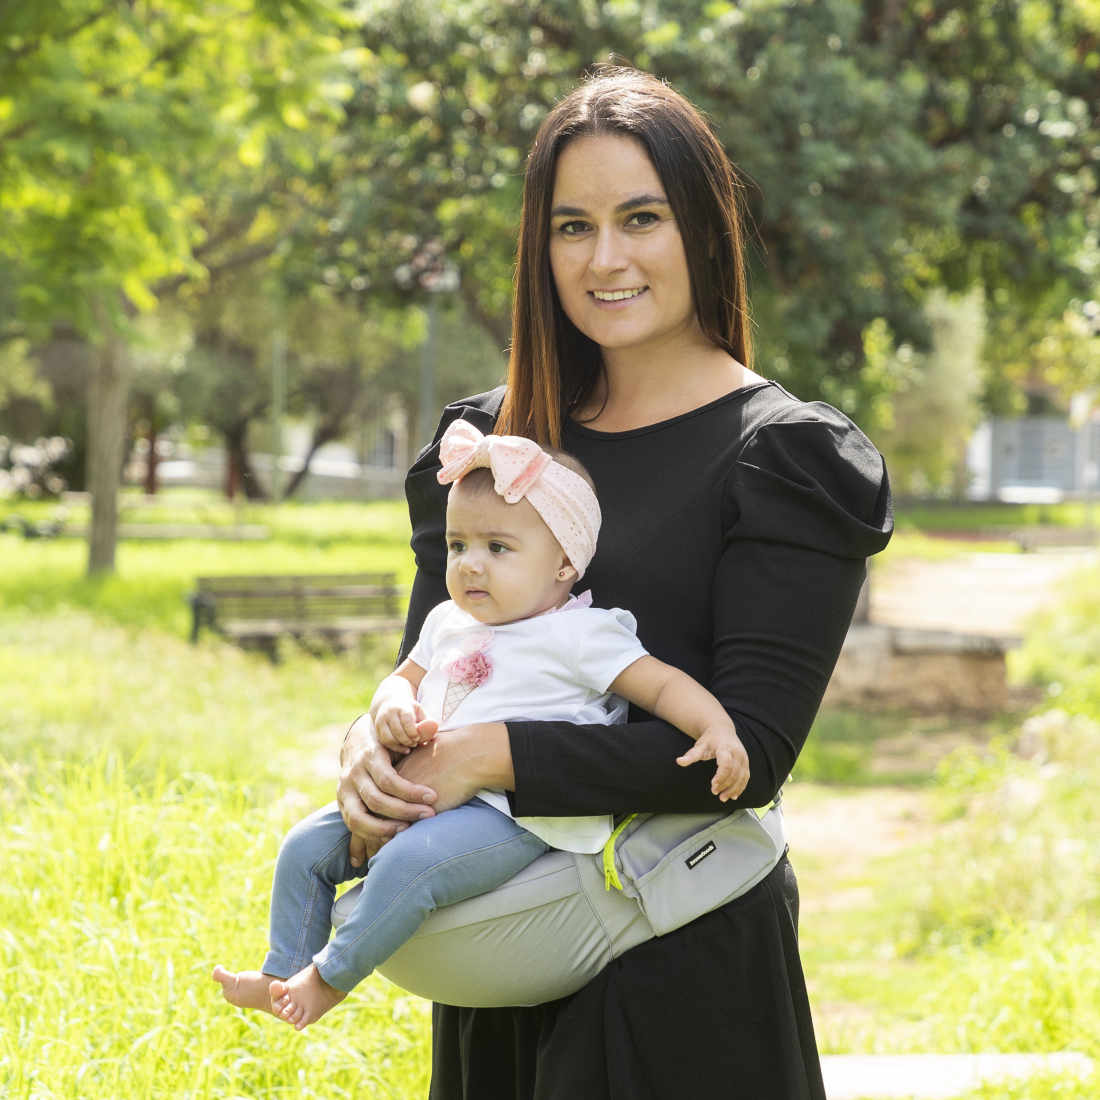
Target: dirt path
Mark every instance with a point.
(835, 833)
(988, 594)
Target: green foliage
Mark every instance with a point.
(884, 151)
(110, 115)
(934, 405)
(1062, 650)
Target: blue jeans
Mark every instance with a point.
(444, 859)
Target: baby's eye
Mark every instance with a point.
(497, 548)
(456, 547)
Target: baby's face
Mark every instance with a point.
(503, 563)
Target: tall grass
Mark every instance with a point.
(72, 685)
(146, 788)
(116, 900)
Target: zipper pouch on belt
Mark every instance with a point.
(680, 866)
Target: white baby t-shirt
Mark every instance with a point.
(555, 667)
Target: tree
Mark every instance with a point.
(111, 112)
(885, 149)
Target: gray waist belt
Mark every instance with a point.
(550, 929)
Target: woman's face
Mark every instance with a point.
(616, 253)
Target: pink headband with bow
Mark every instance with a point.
(523, 470)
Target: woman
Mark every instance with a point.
(737, 521)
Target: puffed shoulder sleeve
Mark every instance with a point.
(428, 512)
(809, 477)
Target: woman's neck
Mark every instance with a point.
(645, 385)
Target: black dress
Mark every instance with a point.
(737, 534)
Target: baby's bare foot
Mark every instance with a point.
(303, 999)
(248, 989)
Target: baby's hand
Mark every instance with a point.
(401, 724)
(721, 743)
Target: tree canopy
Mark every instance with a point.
(291, 156)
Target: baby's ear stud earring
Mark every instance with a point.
(562, 574)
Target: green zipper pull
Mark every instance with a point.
(610, 872)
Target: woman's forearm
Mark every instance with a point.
(563, 770)
(777, 636)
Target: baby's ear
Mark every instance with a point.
(566, 572)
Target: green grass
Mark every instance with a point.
(144, 788)
(153, 577)
(974, 516)
(115, 902)
(983, 938)
(73, 685)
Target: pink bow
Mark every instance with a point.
(516, 462)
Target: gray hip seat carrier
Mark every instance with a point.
(549, 930)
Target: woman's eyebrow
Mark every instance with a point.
(630, 204)
(641, 200)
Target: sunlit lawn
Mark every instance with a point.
(145, 788)
(147, 782)
(154, 576)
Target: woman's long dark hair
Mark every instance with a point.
(554, 368)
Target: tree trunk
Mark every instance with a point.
(151, 462)
(321, 435)
(108, 392)
(238, 470)
(498, 328)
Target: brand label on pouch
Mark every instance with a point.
(693, 861)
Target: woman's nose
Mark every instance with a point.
(609, 256)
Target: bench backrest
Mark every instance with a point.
(302, 599)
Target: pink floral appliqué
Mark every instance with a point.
(469, 664)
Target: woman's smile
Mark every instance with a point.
(617, 299)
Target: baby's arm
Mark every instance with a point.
(398, 718)
(675, 697)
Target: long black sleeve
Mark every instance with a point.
(776, 642)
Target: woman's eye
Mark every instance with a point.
(643, 218)
(572, 229)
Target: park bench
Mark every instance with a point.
(1036, 538)
(256, 611)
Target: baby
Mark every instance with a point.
(511, 643)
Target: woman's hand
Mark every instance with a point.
(375, 802)
(456, 764)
